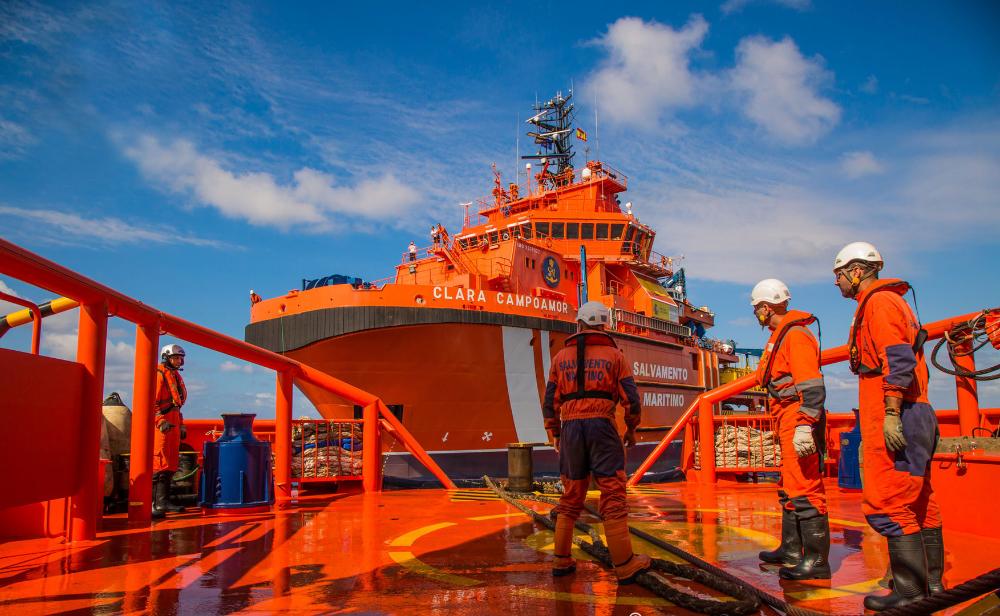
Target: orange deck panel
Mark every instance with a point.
(431, 552)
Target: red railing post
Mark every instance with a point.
(140, 473)
(36, 319)
(371, 450)
(283, 436)
(91, 345)
(706, 437)
(966, 391)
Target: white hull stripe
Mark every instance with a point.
(522, 386)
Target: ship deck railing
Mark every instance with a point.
(631, 322)
(713, 442)
(66, 405)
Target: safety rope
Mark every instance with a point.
(977, 334)
(976, 587)
(744, 603)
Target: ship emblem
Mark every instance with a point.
(487, 436)
(550, 272)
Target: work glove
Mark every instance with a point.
(803, 441)
(165, 426)
(630, 437)
(892, 429)
(184, 432)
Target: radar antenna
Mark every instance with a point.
(553, 120)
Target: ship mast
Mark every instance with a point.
(553, 121)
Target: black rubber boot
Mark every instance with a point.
(909, 573)
(159, 497)
(934, 550)
(167, 478)
(790, 550)
(815, 563)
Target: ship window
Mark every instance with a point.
(463, 244)
(532, 264)
(558, 230)
(630, 233)
(542, 229)
(602, 232)
(572, 231)
(527, 262)
(616, 231)
(516, 231)
(526, 230)
(494, 237)
(587, 231)
(397, 410)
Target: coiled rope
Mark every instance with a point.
(976, 333)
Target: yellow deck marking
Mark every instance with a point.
(497, 516)
(410, 562)
(413, 535)
(540, 593)
(858, 588)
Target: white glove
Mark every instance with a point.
(803, 441)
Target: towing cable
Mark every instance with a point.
(748, 598)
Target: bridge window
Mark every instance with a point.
(557, 230)
(617, 231)
(587, 231)
(602, 232)
(516, 231)
(572, 231)
(463, 243)
(542, 229)
(630, 233)
(526, 230)
(494, 237)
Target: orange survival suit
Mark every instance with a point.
(898, 498)
(170, 397)
(789, 371)
(588, 379)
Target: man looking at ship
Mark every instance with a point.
(899, 429)
(789, 370)
(170, 397)
(587, 380)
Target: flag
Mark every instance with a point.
(582, 136)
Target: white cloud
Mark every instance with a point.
(859, 164)
(67, 228)
(259, 198)
(781, 90)
(734, 6)
(231, 366)
(647, 68)
(14, 139)
(264, 399)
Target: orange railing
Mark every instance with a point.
(36, 319)
(97, 303)
(700, 417)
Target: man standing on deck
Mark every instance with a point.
(899, 429)
(170, 397)
(587, 380)
(413, 251)
(790, 372)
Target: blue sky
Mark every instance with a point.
(185, 154)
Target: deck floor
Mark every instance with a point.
(430, 552)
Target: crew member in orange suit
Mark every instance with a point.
(790, 372)
(899, 429)
(170, 397)
(589, 377)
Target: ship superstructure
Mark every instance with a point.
(461, 337)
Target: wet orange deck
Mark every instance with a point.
(429, 552)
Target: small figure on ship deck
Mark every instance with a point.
(899, 430)
(589, 377)
(170, 397)
(413, 251)
(789, 370)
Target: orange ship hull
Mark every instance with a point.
(466, 390)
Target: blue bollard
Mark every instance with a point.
(849, 467)
(236, 473)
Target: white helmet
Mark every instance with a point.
(171, 349)
(770, 290)
(857, 251)
(593, 313)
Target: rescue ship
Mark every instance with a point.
(459, 341)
